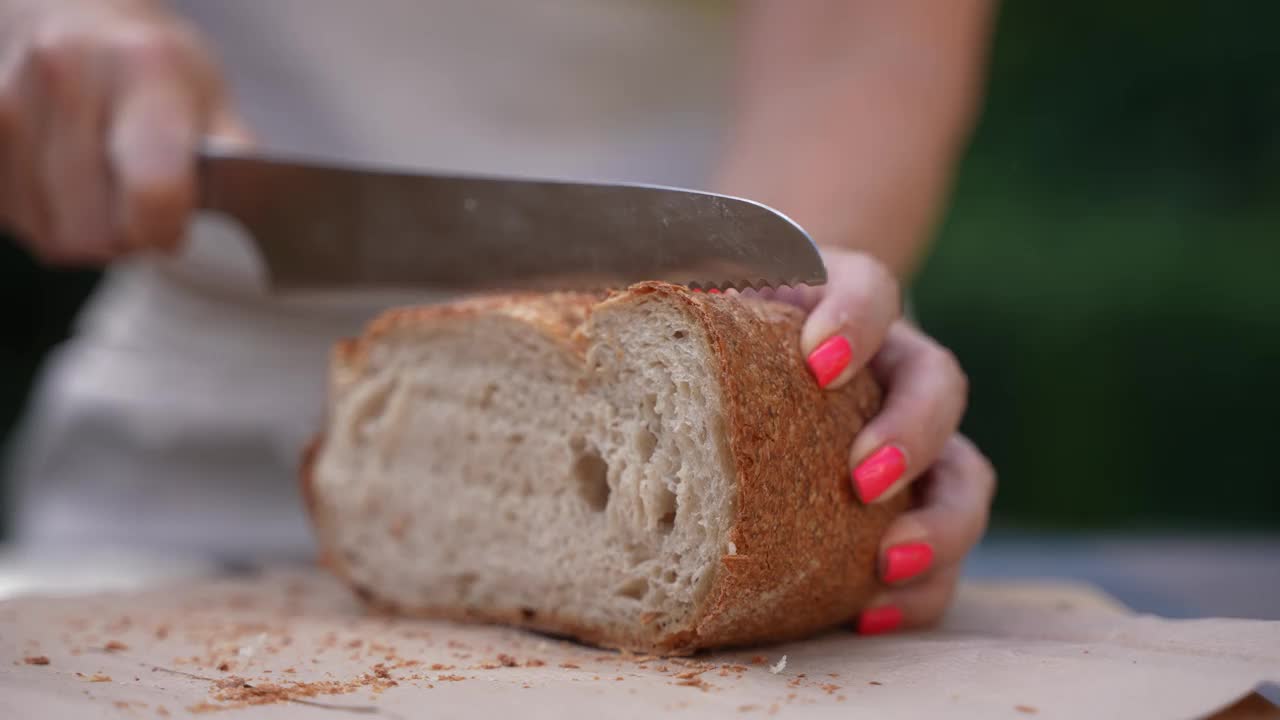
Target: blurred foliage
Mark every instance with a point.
(1109, 271)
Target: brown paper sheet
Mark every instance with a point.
(294, 645)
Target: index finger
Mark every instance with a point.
(155, 129)
(850, 321)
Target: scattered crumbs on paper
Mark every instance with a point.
(780, 666)
(1027, 709)
(36, 659)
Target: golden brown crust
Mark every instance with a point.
(557, 315)
(806, 547)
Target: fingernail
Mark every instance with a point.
(876, 621)
(878, 472)
(830, 359)
(907, 560)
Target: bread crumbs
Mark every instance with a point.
(36, 660)
(1027, 709)
(573, 666)
(115, 646)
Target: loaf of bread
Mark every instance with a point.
(655, 471)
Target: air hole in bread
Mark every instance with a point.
(646, 442)
(635, 588)
(370, 410)
(667, 522)
(677, 335)
(591, 473)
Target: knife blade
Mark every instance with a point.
(320, 225)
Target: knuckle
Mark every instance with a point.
(948, 364)
(888, 281)
(57, 57)
(937, 598)
(146, 47)
(982, 469)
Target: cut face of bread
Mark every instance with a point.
(546, 461)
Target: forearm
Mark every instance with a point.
(850, 116)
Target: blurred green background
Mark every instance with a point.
(1108, 272)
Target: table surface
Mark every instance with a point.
(1175, 576)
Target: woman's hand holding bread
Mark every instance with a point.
(911, 445)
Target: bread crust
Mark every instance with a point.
(806, 548)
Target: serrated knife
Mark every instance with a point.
(320, 225)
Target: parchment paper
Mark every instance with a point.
(297, 642)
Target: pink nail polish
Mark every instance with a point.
(876, 621)
(905, 561)
(878, 472)
(830, 359)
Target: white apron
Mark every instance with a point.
(176, 415)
